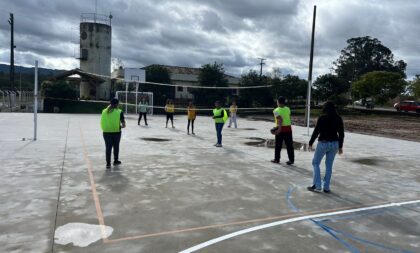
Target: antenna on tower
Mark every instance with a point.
(96, 6)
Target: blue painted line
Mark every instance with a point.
(295, 209)
(367, 213)
(334, 232)
(374, 244)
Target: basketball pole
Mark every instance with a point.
(36, 100)
(137, 89)
(126, 97)
(311, 60)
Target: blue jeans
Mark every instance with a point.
(219, 127)
(329, 150)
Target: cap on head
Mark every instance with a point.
(114, 101)
(281, 100)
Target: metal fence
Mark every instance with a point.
(16, 101)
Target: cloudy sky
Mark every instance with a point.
(194, 32)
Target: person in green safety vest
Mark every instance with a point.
(283, 131)
(112, 120)
(219, 116)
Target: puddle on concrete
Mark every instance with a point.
(155, 139)
(81, 234)
(270, 143)
(367, 161)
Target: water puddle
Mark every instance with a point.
(271, 143)
(367, 161)
(155, 139)
(81, 234)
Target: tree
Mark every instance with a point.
(363, 55)
(380, 85)
(414, 87)
(254, 97)
(291, 87)
(212, 75)
(331, 87)
(59, 90)
(158, 74)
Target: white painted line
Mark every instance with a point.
(277, 223)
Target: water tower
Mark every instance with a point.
(95, 54)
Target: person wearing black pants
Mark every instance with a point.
(283, 131)
(112, 141)
(287, 137)
(112, 120)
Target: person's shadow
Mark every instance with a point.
(114, 179)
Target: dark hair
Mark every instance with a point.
(281, 100)
(114, 101)
(329, 108)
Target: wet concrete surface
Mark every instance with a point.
(170, 195)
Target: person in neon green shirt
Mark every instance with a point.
(112, 120)
(219, 120)
(283, 131)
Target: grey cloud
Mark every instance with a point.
(234, 32)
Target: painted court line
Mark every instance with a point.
(243, 222)
(99, 213)
(277, 223)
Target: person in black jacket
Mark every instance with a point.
(330, 129)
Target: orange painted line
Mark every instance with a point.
(237, 223)
(99, 213)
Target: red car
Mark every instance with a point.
(408, 106)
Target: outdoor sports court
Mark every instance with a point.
(175, 191)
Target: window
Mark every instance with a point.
(180, 88)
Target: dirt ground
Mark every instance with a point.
(401, 127)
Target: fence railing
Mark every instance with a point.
(16, 101)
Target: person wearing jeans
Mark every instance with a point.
(330, 129)
(112, 120)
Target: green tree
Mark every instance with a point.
(380, 85)
(254, 97)
(291, 87)
(212, 75)
(363, 55)
(59, 90)
(331, 87)
(414, 88)
(158, 74)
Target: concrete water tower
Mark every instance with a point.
(95, 54)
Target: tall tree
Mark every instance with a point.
(212, 75)
(363, 55)
(291, 87)
(158, 74)
(331, 87)
(254, 97)
(414, 88)
(380, 85)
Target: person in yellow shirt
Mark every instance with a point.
(170, 110)
(232, 117)
(192, 114)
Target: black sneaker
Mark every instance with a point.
(117, 162)
(275, 161)
(290, 163)
(108, 166)
(327, 191)
(313, 189)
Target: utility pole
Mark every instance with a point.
(311, 60)
(261, 64)
(12, 52)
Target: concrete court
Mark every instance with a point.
(167, 196)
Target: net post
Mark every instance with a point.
(126, 98)
(137, 89)
(36, 100)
